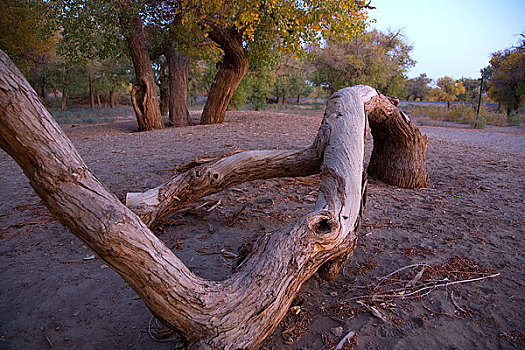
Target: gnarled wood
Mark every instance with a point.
(236, 313)
(399, 154)
(143, 94)
(217, 176)
(239, 312)
(232, 69)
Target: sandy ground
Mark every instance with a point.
(469, 224)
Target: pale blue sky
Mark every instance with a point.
(452, 37)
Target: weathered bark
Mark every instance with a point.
(143, 94)
(237, 313)
(217, 176)
(399, 154)
(178, 66)
(232, 69)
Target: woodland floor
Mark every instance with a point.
(468, 224)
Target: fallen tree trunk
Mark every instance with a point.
(399, 154)
(236, 313)
(241, 311)
(398, 158)
(217, 176)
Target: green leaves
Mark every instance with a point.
(374, 58)
(507, 84)
(447, 89)
(89, 30)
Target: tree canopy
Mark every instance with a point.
(26, 33)
(379, 59)
(447, 89)
(507, 84)
(418, 88)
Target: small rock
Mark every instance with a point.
(337, 331)
(264, 201)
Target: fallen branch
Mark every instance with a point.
(22, 224)
(241, 311)
(375, 312)
(426, 288)
(451, 294)
(347, 338)
(399, 270)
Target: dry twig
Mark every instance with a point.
(428, 288)
(347, 337)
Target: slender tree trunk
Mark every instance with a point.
(91, 91)
(232, 69)
(399, 154)
(63, 101)
(164, 89)
(143, 94)
(43, 88)
(178, 88)
(111, 98)
(99, 103)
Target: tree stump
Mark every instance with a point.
(399, 154)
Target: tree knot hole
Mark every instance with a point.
(322, 224)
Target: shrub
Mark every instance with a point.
(515, 119)
(463, 114)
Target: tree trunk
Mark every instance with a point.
(143, 94)
(232, 69)
(237, 313)
(178, 88)
(43, 88)
(164, 89)
(99, 103)
(399, 154)
(112, 98)
(63, 101)
(91, 91)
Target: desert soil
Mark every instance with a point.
(468, 224)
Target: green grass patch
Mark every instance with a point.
(78, 114)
